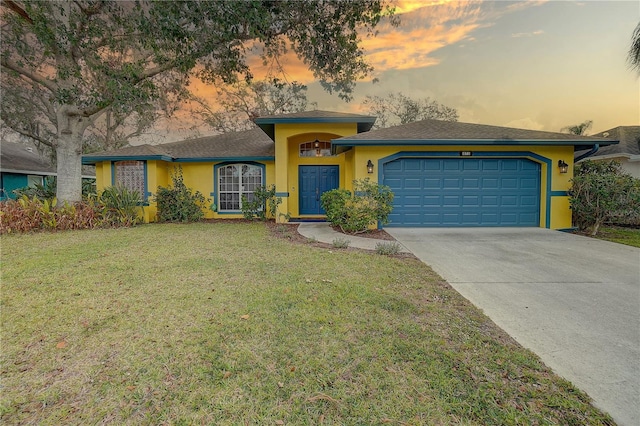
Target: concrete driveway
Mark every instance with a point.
(573, 300)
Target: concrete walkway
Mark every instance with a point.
(323, 232)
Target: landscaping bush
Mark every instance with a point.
(116, 206)
(120, 206)
(341, 242)
(47, 191)
(33, 214)
(263, 203)
(388, 249)
(179, 203)
(355, 213)
(602, 192)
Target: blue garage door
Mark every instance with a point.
(459, 192)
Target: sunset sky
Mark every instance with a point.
(536, 64)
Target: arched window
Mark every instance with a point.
(234, 181)
(315, 149)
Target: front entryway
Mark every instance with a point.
(313, 182)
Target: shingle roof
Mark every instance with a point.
(426, 130)
(629, 137)
(16, 157)
(250, 143)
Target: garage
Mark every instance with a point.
(464, 192)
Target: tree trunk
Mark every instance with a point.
(69, 156)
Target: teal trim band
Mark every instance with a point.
(485, 154)
(225, 159)
(467, 142)
(282, 194)
(93, 160)
(307, 120)
(559, 194)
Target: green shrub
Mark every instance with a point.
(179, 203)
(47, 190)
(388, 249)
(120, 206)
(341, 242)
(601, 192)
(355, 213)
(263, 203)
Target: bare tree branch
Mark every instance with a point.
(13, 6)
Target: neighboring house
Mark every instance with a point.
(22, 166)
(442, 173)
(627, 152)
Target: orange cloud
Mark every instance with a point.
(425, 27)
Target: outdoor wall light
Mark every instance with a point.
(564, 167)
(369, 167)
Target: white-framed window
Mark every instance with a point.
(315, 149)
(130, 174)
(234, 181)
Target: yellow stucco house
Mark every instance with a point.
(446, 174)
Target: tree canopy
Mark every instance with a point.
(237, 105)
(634, 50)
(398, 108)
(66, 63)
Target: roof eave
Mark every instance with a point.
(578, 145)
(219, 159)
(89, 160)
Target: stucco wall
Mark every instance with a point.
(288, 138)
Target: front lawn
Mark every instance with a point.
(620, 234)
(225, 324)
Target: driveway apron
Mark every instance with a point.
(573, 300)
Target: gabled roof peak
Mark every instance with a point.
(267, 123)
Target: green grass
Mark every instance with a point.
(622, 235)
(224, 324)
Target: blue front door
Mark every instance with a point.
(313, 182)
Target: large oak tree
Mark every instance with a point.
(67, 63)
